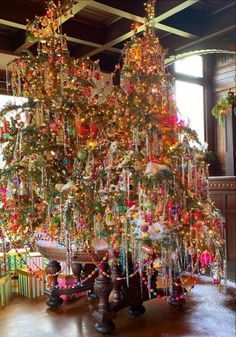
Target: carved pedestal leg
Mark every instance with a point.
(104, 314)
(76, 270)
(53, 268)
(115, 274)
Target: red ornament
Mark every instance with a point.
(130, 203)
(83, 130)
(93, 130)
(197, 215)
(144, 228)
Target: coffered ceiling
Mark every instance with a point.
(99, 28)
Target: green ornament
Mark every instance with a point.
(82, 155)
(7, 136)
(98, 208)
(56, 220)
(108, 217)
(122, 209)
(31, 38)
(70, 130)
(102, 234)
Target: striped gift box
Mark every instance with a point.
(5, 290)
(35, 261)
(29, 284)
(14, 261)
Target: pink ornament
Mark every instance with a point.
(149, 217)
(206, 258)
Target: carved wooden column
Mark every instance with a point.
(104, 314)
(53, 268)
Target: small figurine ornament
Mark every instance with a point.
(216, 273)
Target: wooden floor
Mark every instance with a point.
(207, 313)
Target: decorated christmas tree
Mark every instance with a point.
(122, 170)
(43, 139)
(153, 192)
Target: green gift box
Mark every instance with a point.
(30, 284)
(16, 260)
(5, 290)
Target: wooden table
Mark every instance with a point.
(132, 295)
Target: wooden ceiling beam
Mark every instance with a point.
(140, 19)
(175, 31)
(208, 37)
(175, 10)
(163, 16)
(12, 24)
(91, 44)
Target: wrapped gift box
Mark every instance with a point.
(31, 284)
(16, 260)
(35, 261)
(5, 290)
(67, 281)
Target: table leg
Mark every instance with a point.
(53, 268)
(104, 314)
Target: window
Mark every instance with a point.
(191, 66)
(189, 93)
(189, 100)
(5, 99)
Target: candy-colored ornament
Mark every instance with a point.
(206, 258)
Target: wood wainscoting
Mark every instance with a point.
(223, 194)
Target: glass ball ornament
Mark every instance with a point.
(82, 155)
(206, 258)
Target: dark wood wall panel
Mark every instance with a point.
(224, 79)
(224, 74)
(223, 193)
